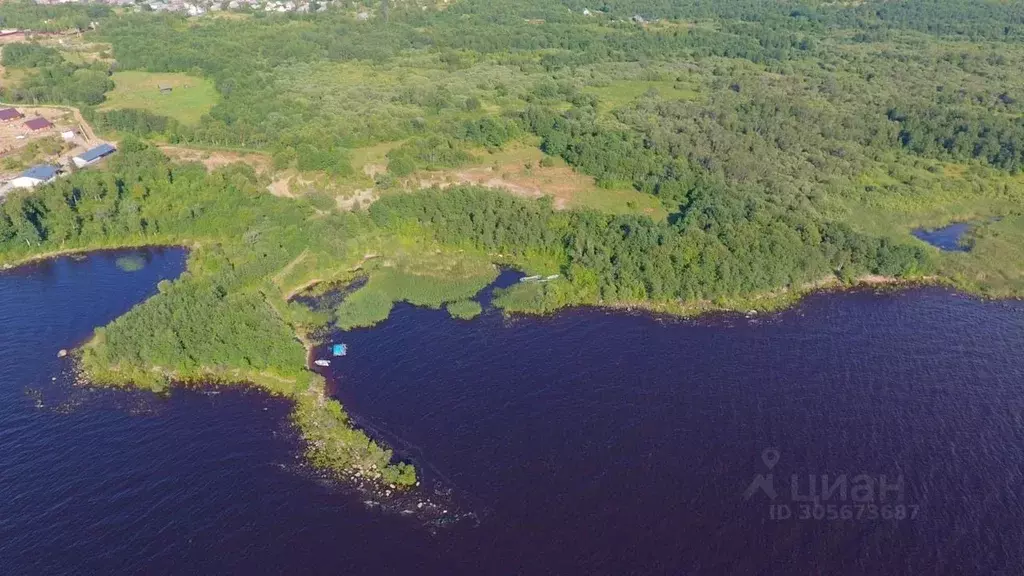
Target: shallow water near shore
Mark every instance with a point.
(587, 442)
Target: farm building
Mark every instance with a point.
(68, 135)
(35, 176)
(8, 114)
(38, 123)
(94, 155)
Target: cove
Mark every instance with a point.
(606, 443)
(585, 442)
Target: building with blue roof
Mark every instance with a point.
(93, 155)
(35, 176)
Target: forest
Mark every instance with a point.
(789, 145)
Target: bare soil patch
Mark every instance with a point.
(214, 159)
(559, 182)
(281, 187)
(358, 199)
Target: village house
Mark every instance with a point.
(94, 155)
(38, 124)
(8, 114)
(35, 176)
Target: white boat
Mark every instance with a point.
(322, 362)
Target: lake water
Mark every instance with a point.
(585, 443)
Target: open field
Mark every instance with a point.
(188, 101)
(77, 51)
(518, 171)
(621, 92)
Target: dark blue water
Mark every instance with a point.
(588, 443)
(948, 238)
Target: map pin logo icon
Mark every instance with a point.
(770, 457)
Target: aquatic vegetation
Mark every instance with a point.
(132, 263)
(464, 309)
(372, 303)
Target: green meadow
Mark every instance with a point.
(190, 97)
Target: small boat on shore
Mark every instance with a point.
(324, 363)
(540, 279)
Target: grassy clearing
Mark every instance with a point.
(619, 201)
(189, 100)
(994, 265)
(370, 160)
(17, 76)
(621, 92)
(892, 201)
(917, 193)
(79, 52)
(524, 170)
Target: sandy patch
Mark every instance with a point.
(282, 188)
(559, 182)
(214, 159)
(372, 170)
(358, 200)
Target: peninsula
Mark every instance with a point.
(671, 156)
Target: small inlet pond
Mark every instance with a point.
(948, 238)
(953, 237)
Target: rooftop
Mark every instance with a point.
(42, 172)
(38, 123)
(97, 152)
(10, 114)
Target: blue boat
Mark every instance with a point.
(340, 349)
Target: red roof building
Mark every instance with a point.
(8, 114)
(38, 123)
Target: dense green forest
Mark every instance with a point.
(791, 145)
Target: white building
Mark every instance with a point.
(35, 176)
(92, 156)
